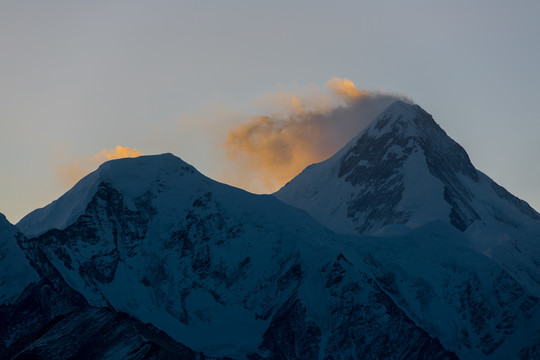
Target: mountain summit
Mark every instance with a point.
(132, 175)
(402, 169)
(403, 172)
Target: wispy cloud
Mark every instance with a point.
(299, 131)
(118, 152)
(260, 153)
(70, 174)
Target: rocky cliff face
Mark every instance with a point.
(345, 316)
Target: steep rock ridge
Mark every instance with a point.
(220, 270)
(27, 317)
(93, 333)
(28, 300)
(15, 270)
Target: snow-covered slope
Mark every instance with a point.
(223, 271)
(15, 270)
(403, 171)
(468, 301)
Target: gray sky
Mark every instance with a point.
(79, 78)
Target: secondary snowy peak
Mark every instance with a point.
(130, 175)
(402, 169)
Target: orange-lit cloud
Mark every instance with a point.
(345, 90)
(275, 148)
(117, 153)
(283, 103)
(70, 174)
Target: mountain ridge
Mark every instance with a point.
(446, 264)
(197, 257)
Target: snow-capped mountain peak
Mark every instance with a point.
(403, 172)
(130, 175)
(402, 169)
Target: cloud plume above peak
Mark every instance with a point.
(345, 89)
(70, 174)
(275, 148)
(119, 152)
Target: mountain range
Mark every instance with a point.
(396, 247)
